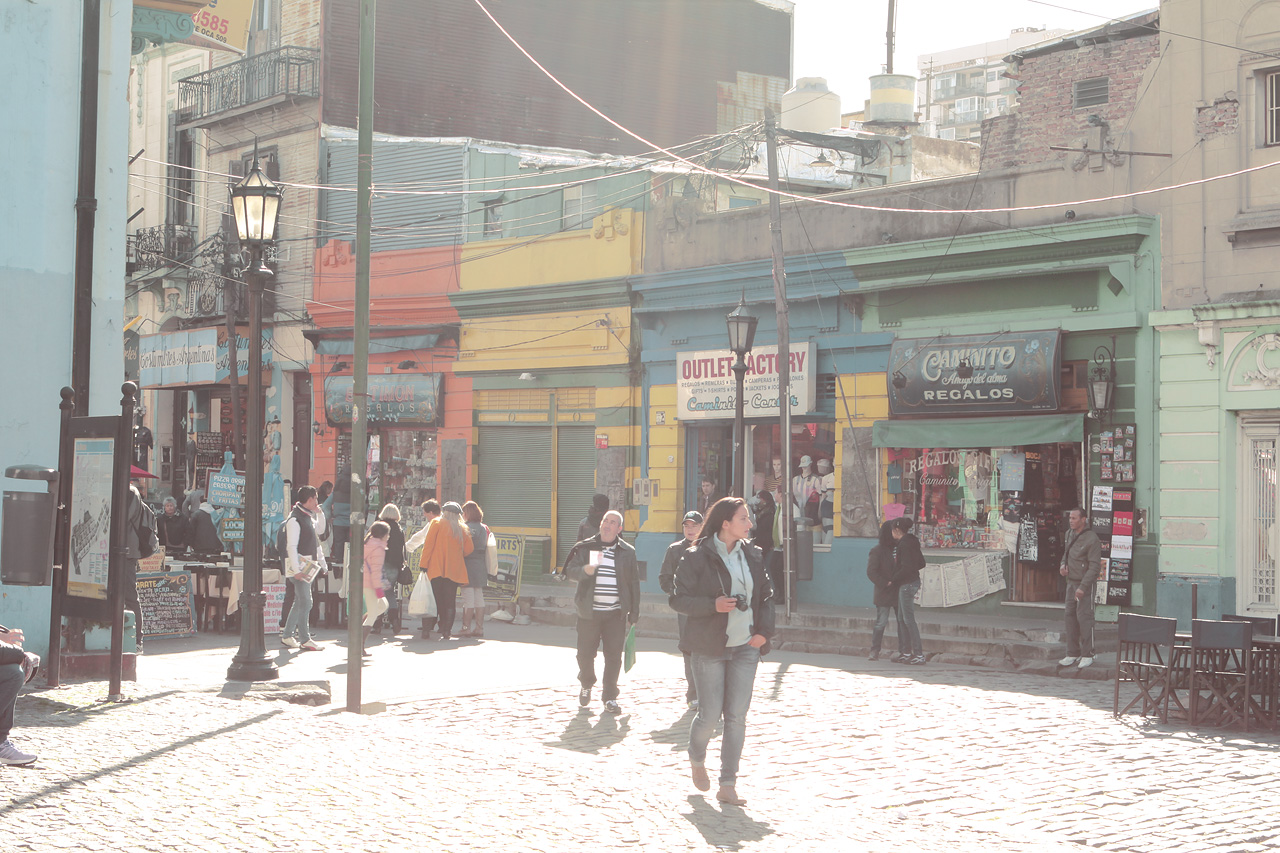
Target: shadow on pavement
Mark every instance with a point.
(677, 734)
(64, 713)
(581, 736)
(726, 828)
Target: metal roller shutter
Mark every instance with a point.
(575, 483)
(515, 476)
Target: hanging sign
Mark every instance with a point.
(975, 374)
(706, 388)
(225, 23)
(403, 399)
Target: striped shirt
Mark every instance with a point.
(606, 597)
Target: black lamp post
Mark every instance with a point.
(742, 334)
(255, 201)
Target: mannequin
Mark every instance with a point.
(826, 503)
(804, 486)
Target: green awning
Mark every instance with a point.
(1009, 431)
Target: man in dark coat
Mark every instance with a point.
(667, 580)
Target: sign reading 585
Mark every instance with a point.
(225, 23)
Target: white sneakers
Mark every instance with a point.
(14, 757)
(1067, 661)
(1081, 663)
(289, 642)
(1085, 663)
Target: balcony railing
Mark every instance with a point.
(284, 71)
(163, 245)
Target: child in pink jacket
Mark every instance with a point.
(375, 599)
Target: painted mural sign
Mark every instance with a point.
(405, 399)
(195, 357)
(706, 387)
(975, 374)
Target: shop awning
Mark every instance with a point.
(395, 343)
(962, 433)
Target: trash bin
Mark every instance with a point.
(26, 547)
(802, 555)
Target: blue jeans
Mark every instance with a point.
(882, 622)
(11, 680)
(908, 630)
(724, 689)
(300, 614)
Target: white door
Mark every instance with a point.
(1256, 580)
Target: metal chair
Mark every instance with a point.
(1221, 667)
(1262, 626)
(1145, 659)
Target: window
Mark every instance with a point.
(997, 106)
(493, 218)
(1271, 108)
(1091, 92)
(993, 74)
(736, 202)
(944, 81)
(579, 206)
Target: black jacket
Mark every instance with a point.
(908, 561)
(628, 577)
(880, 569)
(173, 531)
(667, 574)
(701, 578)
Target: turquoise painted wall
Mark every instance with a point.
(40, 64)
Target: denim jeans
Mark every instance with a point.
(300, 613)
(691, 689)
(877, 633)
(11, 680)
(908, 630)
(724, 689)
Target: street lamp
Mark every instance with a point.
(255, 201)
(1102, 381)
(742, 333)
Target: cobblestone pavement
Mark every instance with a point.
(852, 756)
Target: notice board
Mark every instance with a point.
(168, 604)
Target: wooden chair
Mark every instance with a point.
(1262, 626)
(1145, 659)
(1221, 668)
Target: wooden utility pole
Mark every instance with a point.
(784, 342)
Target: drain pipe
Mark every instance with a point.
(86, 204)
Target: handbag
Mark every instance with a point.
(405, 575)
(422, 601)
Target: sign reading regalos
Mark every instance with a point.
(407, 399)
(975, 374)
(705, 385)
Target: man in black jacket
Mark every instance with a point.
(17, 667)
(607, 601)
(667, 580)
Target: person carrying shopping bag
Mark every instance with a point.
(445, 545)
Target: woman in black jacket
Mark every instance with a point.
(722, 587)
(880, 569)
(908, 561)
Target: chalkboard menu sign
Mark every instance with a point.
(168, 605)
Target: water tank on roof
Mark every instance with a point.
(809, 105)
(893, 98)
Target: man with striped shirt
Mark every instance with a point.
(607, 601)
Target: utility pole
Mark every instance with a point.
(86, 206)
(784, 342)
(889, 36)
(360, 372)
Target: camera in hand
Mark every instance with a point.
(742, 601)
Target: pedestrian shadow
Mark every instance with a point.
(726, 828)
(776, 691)
(581, 736)
(677, 734)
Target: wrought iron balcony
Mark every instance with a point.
(263, 77)
(163, 245)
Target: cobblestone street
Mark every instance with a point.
(841, 754)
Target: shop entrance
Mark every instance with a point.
(1256, 531)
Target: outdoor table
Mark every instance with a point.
(1264, 667)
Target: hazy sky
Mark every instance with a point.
(844, 40)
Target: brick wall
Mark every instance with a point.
(1045, 114)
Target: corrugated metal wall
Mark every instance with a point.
(399, 221)
(656, 66)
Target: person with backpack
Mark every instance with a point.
(279, 546)
(302, 546)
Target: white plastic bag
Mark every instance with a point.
(491, 555)
(422, 601)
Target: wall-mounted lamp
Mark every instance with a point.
(317, 428)
(1102, 381)
(899, 380)
(964, 369)
(407, 364)
(338, 365)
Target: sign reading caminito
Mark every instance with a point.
(705, 384)
(975, 374)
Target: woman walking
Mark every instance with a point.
(375, 600)
(477, 571)
(722, 587)
(908, 561)
(396, 557)
(444, 552)
(880, 570)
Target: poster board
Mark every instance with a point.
(168, 604)
(93, 446)
(273, 609)
(505, 586)
(961, 581)
(1112, 518)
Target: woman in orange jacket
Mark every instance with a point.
(443, 553)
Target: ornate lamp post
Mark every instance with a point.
(255, 201)
(742, 334)
(1102, 381)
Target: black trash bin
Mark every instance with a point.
(26, 547)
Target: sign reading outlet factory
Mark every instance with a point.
(975, 374)
(705, 385)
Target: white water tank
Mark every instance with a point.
(893, 98)
(809, 105)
